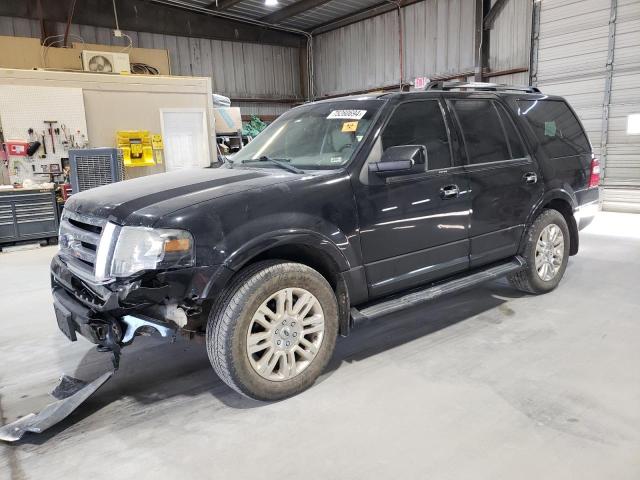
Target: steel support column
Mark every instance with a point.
(535, 42)
(478, 40)
(604, 134)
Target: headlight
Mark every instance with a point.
(140, 248)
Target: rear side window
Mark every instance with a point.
(555, 126)
(488, 132)
(420, 123)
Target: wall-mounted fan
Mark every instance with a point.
(105, 62)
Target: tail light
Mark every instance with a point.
(594, 178)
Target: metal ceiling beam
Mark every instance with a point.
(154, 16)
(223, 4)
(493, 13)
(360, 15)
(292, 10)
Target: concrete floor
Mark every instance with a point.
(489, 384)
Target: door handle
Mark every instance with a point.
(530, 177)
(449, 191)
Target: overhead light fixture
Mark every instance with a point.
(271, 3)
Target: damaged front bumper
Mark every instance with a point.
(111, 315)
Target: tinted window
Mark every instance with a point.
(515, 141)
(482, 131)
(420, 123)
(555, 126)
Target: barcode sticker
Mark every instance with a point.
(347, 114)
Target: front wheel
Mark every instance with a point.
(546, 252)
(273, 331)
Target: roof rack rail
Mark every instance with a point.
(482, 86)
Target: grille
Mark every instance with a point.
(94, 168)
(79, 239)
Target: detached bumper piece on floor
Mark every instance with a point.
(71, 393)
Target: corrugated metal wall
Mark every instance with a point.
(239, 70)
(438, 41)
(572, 62)
(361, 56)
(438, 38)
(509, 42)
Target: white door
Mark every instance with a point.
(186, 143)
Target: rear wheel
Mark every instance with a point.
(546, 252)
(273, 330)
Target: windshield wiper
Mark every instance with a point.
(280, 163)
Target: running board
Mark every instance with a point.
(436, 291)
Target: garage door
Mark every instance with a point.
(588, 53)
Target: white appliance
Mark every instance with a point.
(105, 62)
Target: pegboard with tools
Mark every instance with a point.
(54, 117)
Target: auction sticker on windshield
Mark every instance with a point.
(347, 114)
(349, 126)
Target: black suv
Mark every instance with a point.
(341, 209)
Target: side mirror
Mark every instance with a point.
(400, 160)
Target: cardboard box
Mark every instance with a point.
(20, 52)
(227, 120)
(64, 59)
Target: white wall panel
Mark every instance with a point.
(573, 39)
(572, 62)
(623, 150)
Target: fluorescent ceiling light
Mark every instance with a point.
(271, 3)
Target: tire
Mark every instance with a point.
(534, 278)
(235, 323)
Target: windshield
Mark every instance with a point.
(316, 136)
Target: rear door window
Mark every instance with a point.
(488, 134)
(555, 126)
(516, 147)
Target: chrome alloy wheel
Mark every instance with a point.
(549, 252)
(285, 334)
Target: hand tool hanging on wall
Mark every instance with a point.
(44, 143)
(34, 144)
(65, 142)
(51, 132)
(33, 148)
